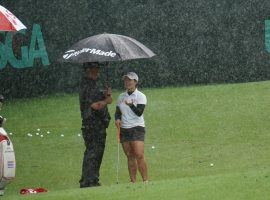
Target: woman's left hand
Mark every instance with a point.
(118, 123)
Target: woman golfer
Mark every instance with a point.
(129, 118)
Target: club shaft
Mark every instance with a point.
(118, 161)
(118, 155)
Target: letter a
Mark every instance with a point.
(267, 35)
(37, 41)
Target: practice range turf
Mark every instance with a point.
(202, 142)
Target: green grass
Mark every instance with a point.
(190, 127)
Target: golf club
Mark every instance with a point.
(118, 156)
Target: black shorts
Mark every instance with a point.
(132, 134)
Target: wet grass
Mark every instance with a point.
(211, 142)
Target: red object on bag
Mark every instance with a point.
(32, 190)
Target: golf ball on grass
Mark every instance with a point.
(211, 164)
(38, 129)
(37, 133)
(62, 135)
(153, 147)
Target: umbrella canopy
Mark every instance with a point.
(8, 21)
(106, 47)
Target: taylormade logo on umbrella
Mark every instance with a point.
(72, 53)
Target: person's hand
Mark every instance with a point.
(99, 105)
(118, 123)
(108, 91)
(128, 103)
(108, 100)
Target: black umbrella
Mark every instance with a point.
(106, 47)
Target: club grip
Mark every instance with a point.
(118, 134)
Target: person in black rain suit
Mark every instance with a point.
(95, 120)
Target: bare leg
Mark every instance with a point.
(132, 163)
(138, 149)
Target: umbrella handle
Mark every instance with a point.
(107, 74)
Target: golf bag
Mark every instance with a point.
(7, 160)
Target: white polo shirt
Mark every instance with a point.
(129, 118)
